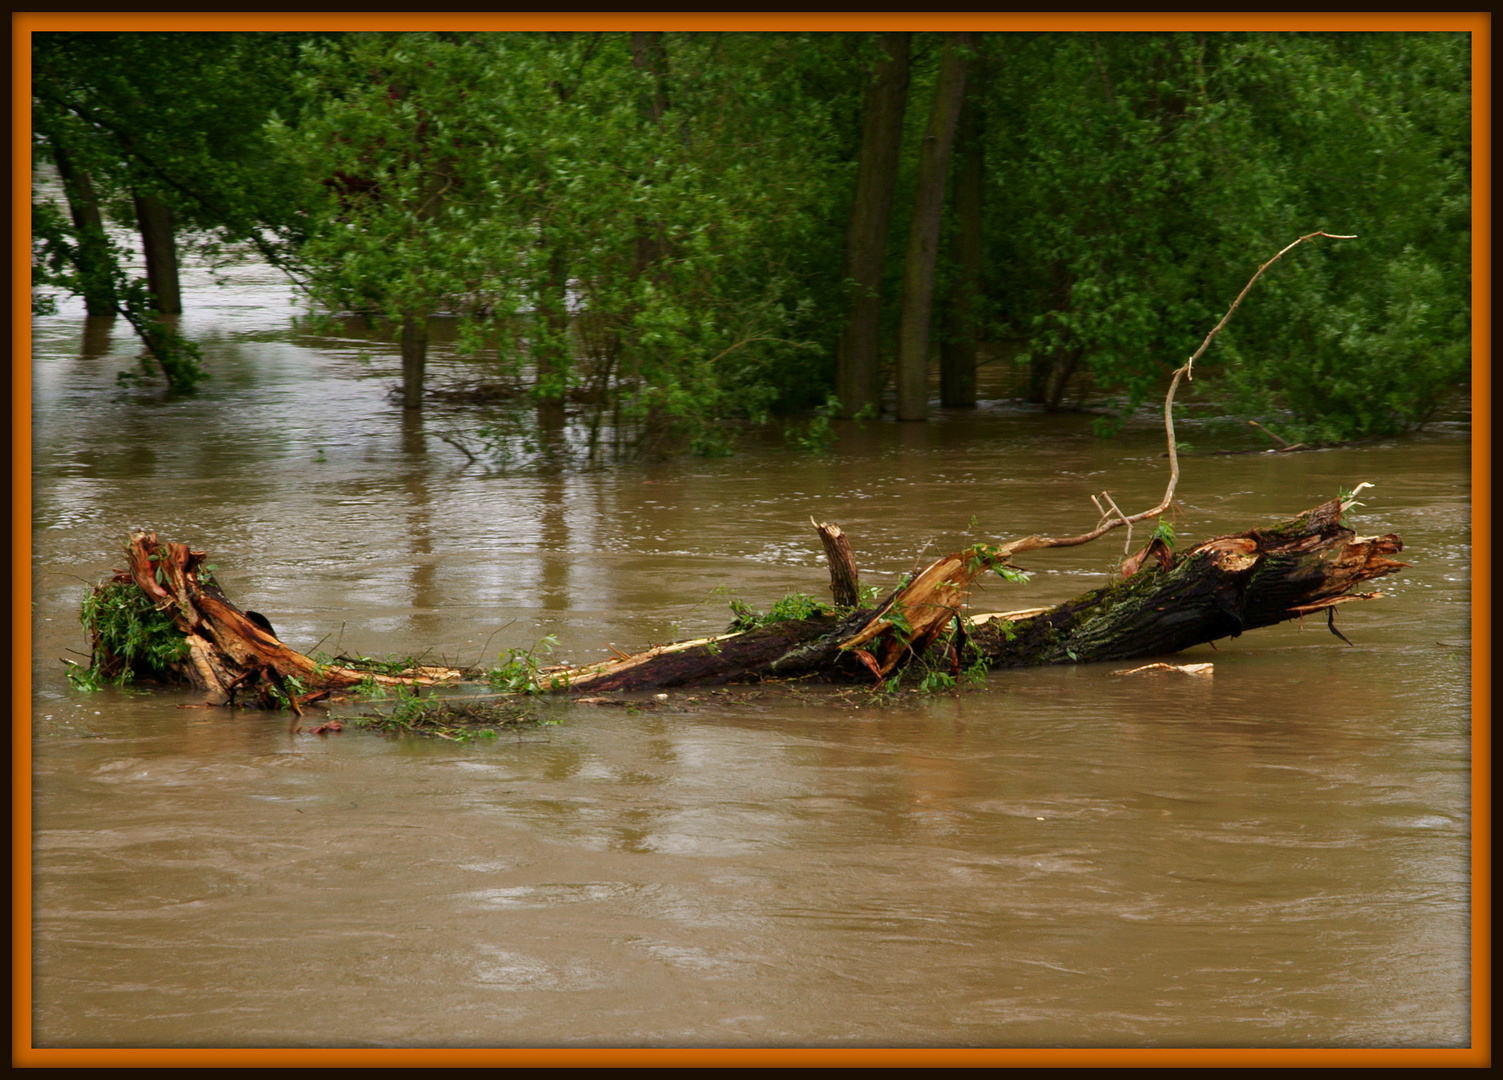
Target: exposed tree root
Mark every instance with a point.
(223, 650)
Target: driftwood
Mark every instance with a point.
(1161, 603)
(1217, 589)
(1166, 602)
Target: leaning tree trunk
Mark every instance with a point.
(96, 265)
(159, 243)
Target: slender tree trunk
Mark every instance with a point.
(648, 55)
(957, 356)
(858, 369)
(923, 237)
(414, 357)
(650, 58)
(1062, 366)
(551, 351)
(95, 264)
(159, 242)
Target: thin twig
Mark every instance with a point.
(1034, 543)
(1282, 442)
(1251, 282)
(1127, 546)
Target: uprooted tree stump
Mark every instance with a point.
(165, 619)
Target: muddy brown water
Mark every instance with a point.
(1277, 855)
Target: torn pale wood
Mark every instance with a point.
(1201, 670)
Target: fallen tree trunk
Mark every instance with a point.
(1163, 603)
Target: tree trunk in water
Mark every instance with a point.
(923, 237)
(159, 242)
(1062, 365)
(551, 352)
(858, 368)
(95, 263)
(414, 358)
(1162, 603)
(957, 357)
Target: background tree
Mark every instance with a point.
(858, 378)
(1149, 168)
(163, 131)
(923, 234)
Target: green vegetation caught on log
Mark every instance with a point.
(130, 639)
(454, 719)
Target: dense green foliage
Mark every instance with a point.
(129, 636)
(649, 228)
(1158, 171)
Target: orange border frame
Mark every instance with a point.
(1479, 1054)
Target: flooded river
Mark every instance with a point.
(1277, 855)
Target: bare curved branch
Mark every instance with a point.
(1034, 543)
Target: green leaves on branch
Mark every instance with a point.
(129, 636)
(795, 606)
(983, 556)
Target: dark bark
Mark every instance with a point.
(858, 367)
(649, 57)
(845, 581)
(159, 243)
(551, 352)
(414, 358)
(923, 236)
(95, 263)
(957, 357)
(1061, 366)
(1217, 589)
